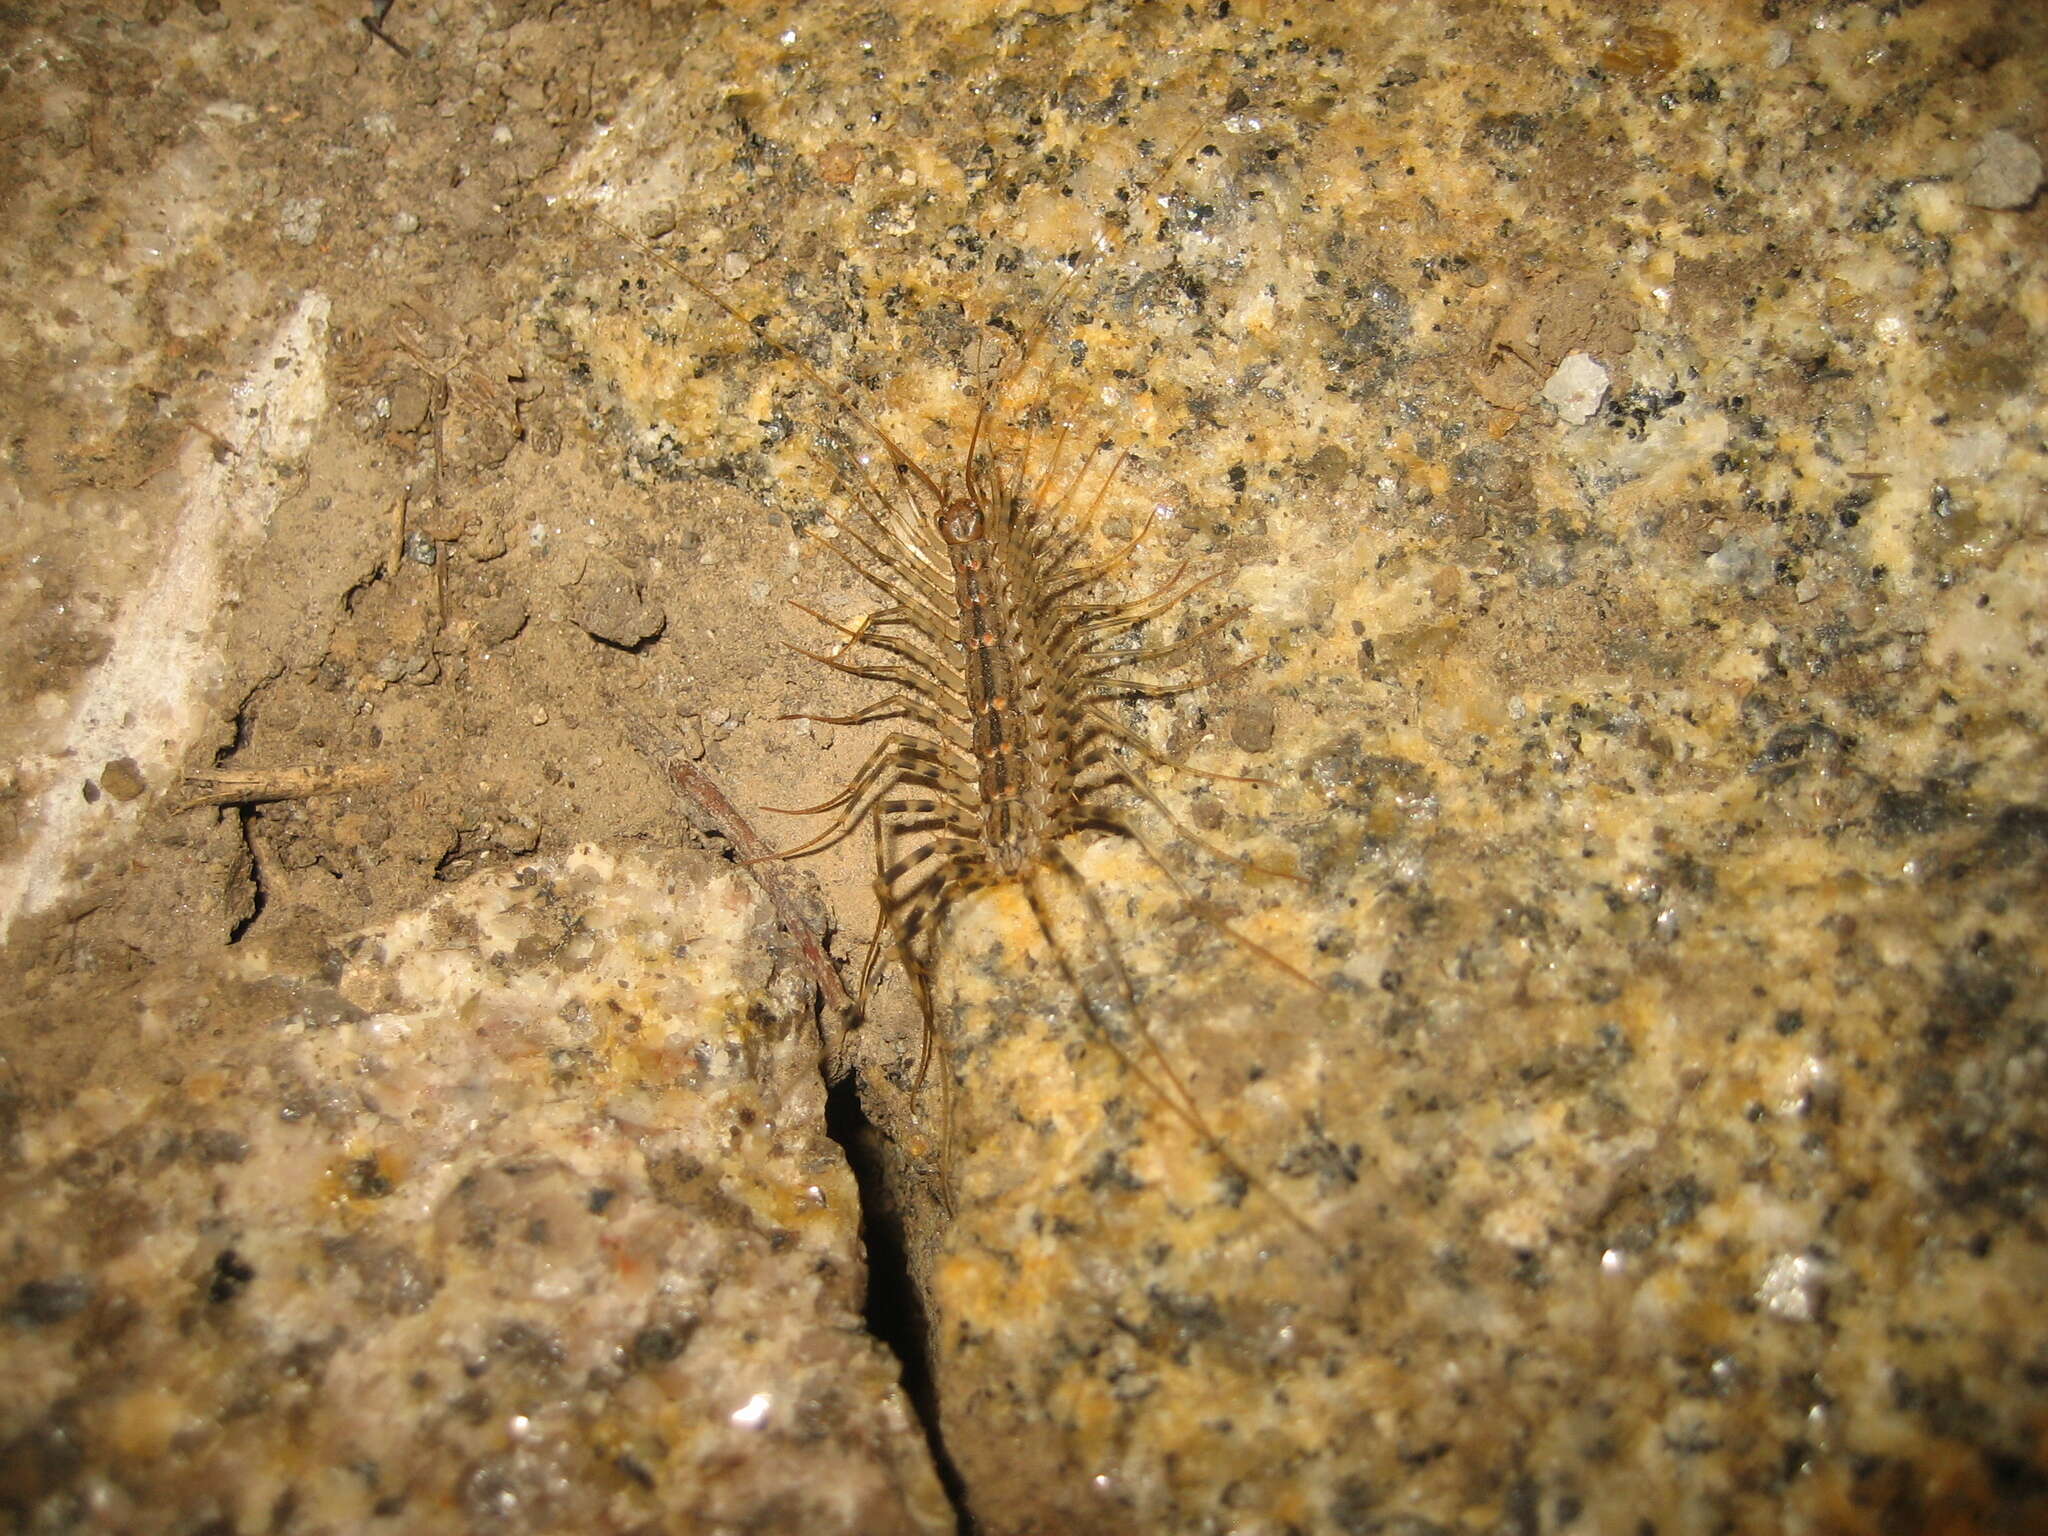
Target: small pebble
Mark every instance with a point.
(408, 407)
(1251, 725)
(298, 221)
(518, 835)
(500, 619)
(480, 439)
(2004, 173)
(122, 779)
(1577, 389)
(610, 607)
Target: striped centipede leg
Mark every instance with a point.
(897, 706)
(1109, 725)
(1166, 1083)
(930, 678)
(902, 916)
(880, 672)
(1143, 688)
(1129, 615)
(887, 771)
(1152, 655)
(898, 749)
(1117, 771)
(1116, 826)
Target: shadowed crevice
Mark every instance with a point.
(893, 1308)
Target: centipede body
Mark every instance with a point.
(1004, 647)
(1006, 665)
(1000, 664)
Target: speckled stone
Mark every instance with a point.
(1655, 803)
(1667, 786)
(514, 1215)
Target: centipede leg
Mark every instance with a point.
(1132, 779)
(1102, 821)
(1180, 1100)
(1109, 725)
(903, 706)
(912, 753)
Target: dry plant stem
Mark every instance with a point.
(265, 785)
(398, 509)
(698, 787)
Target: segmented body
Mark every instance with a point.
(1002, 667)
(987, 626)
(1004, 692)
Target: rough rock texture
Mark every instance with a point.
(1654, 803)
(514, 1214)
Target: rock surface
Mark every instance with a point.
(1653, 804)
(515, 1214)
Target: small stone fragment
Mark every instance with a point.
(1577, 389)
(840, 165)
(122, 779)
(298, 221)
(480, 439)
(501, 619)
(517, 835)
(609, 607)
(1794, 1288)
(442, 519)
(1742, 562)
(484, 539)
(1251, 725)
(2004, 173)
(408, 407)
(544, 435)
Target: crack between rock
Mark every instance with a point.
(893, 1308)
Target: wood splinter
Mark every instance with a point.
(222, 786)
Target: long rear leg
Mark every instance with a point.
(1097, 820)
(1160, 1079)
(907, 915)
(1117, 771)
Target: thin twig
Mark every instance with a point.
(398, 533)
(260, 786)
(374, 25)
(698, 787)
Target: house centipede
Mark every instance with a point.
(1003, 668)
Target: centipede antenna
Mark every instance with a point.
(818, 381)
